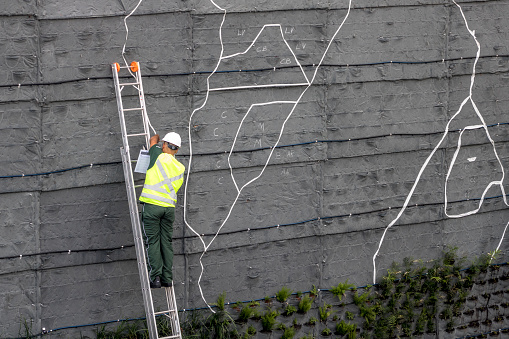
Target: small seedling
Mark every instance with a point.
(325, 312)
(289, 310)
(251, 330)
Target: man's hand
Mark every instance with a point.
(154, 139)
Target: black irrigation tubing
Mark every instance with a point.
(263, 70)
(494, 332)
(20, 256)
(230, 303)
(78, 326)
(255, 150)
(60, 171)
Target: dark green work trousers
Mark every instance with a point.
(157, 224)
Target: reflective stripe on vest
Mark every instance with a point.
(158, 198)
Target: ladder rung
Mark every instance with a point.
(170, 337)
(136, 135)
(129, 84)
(132, 109)
(164, 312)
(137, 186)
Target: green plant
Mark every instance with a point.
(163, 328)
(326, 331)
(324, 312)
(340, 290)
(314, 290)
(368, 313)
(251, 330)
(129, 331)
(392, 322)
(191, 322)
(220, 302)
(26, 327)
(219, 325)
(257, 314)
(245, 313)
(288, 333)
(450, 326)
(407, 302)
(493, 255)
(349, 315)
(134, 333)
(430, 326)
(343, 328)
(407, 330)
(352, 335)
(421, 322)
(360, 299)
(253, 303)
(446, 313)
(305, 304)
(283, 294)
(289, 310)
(269, 320)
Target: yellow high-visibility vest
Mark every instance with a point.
(162, 181)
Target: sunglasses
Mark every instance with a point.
(171, 146)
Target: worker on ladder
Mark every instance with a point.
(164, 177)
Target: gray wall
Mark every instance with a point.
(375, 124)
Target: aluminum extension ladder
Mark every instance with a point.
(171, 313)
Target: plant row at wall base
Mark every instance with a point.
(414, 299)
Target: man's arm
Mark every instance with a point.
(154, 139)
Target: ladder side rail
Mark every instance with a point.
(173, 312)
(177, 319)
(138, 244)
(120, 106)
(144, 107)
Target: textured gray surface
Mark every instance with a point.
(58, 112)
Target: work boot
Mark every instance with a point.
(165, 284)
(156, 283)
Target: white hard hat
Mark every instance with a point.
(173, 138)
